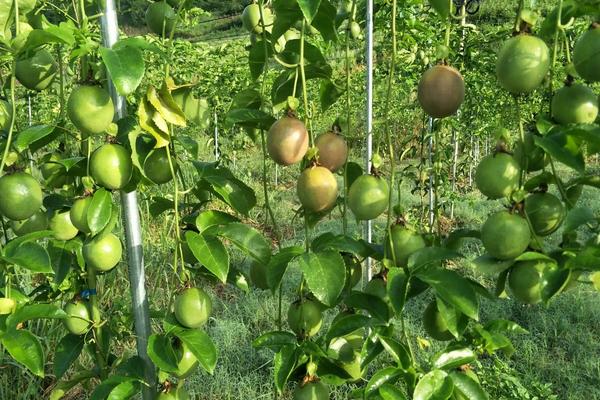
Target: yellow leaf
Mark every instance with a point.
(145, 116)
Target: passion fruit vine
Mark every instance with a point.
(287, 141)
(441, 91)
(317, 189)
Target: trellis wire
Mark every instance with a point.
(368, 228)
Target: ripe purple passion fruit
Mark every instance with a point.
(103, 252)
(111, 166)
(287, 141)
(305, 318)
(441, 91)
(586, 55)
(160, 15)
(527, 279)
(20, 196)
(575, 104)
(315, 390)
(193, 307)
(38, 71)
(522, 64)
(545, 211)
(368, 197)
(497, 175)
(90, 109)
(78, 318)
(317, 189)
(333, 151)
(505, 236)
(405, 241)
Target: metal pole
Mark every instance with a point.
(276, 175)
(216, 138)
(29, 115)
(368, 229)
(133, 229)
(431, 178)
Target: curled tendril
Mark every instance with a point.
(471, 6)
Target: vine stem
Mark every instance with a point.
(555, 48)
(524, 159)
(178, 248)
(518, 18)
(96, 319)
(303, 77)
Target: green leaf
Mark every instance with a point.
(25, 348)
(374, 305)
(274, 340)
(453, 289)
(347, 324)
(126, 67)
(380, 378)
(309, 8)
(31, 135)
(453, 357)
(430, 255)
(467, 387)
(399, 352)
(202, 346)
(34, 311)
(436, 385)
(210, 252)
(30, 256)
(324, 21)
(99, 211)
(249, 118)
(161, 352)
(329, 93)
(489, 265)
(284, 364)
(247, 239)
(562, 148)
(209, 218)
(257, 57)
(502, 325)
(67, 351)
(279, 263)
(116, 387)
(62, 387)
(389, 392)
(325, 274)
(397, 286)
(576, 217)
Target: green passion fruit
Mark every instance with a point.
(575, 104)
(435, 325)
(157, 167)
(193, 306)
(497, 175)
(103, 252)
(527, 279)
(287, 141)
(545, 211)
(586, 55)
(355, 30)
(111, 166)
(533, 155)
(90, 109)
(187, 362)
(160, 15)
(38, 71)
(333, 150)
(79, 212)
(441, 91)
(61, 226)
(317, 189)
(195, 109)
(20, 196)
(251, 18)
(305, 318)
(54, 173)
(405, 241)
(5, 115)
(368, 197)
(37, 222)
(505, 236)
(315, 390)
(258, 275)
(522, 64)
(7, 306)
(78, 318)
